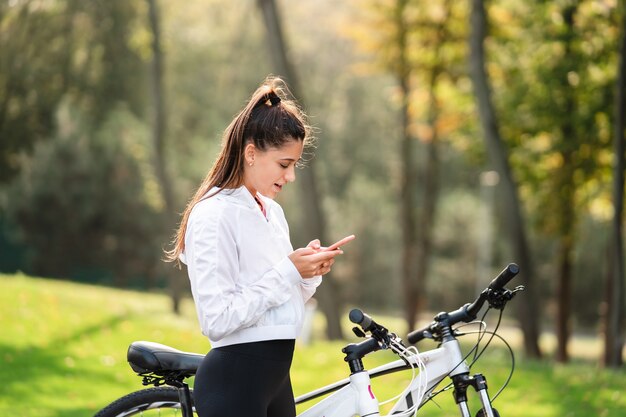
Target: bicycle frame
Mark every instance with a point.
(354, 396)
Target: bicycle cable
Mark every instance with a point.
(511, 354)
(482, 328)
(481, 335)
(411, 357)
(490, 339)
(400, 351)
(423, 378)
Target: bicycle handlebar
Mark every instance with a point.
(419, 335)
(468, 312)
(362, 319)
(504, 277)
(440, 328)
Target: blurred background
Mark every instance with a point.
(452, 137)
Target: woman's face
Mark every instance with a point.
(266, 172)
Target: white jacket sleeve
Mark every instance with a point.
(309, 286)
(223, 305)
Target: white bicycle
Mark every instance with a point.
(161, 365)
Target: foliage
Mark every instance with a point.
(210, 70)
(63, 347)
(63, 49)
(94, 219)
(538, 87)
(556, 113)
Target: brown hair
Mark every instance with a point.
(268, 120)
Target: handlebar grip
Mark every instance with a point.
(417, 335)
(360, 318)
(504, 277)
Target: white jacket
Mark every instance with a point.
(244, 286)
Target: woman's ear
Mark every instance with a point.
(249, 153)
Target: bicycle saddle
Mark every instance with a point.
(146, 357)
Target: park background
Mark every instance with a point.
(453, 137)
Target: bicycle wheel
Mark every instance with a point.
(161, 401)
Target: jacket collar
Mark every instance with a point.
(243, 196)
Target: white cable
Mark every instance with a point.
(423, 380)
(400, 352)
(481, 328)
(411, 356)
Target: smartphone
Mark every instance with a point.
(340, 242)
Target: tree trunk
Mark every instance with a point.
(408, 175)
(159, 131)
(430, 174)
(513, 218)
(567, 193)
(426, 217)
(564, 293)
(315, 224)
(614, 325)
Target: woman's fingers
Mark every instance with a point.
(325, 262)
(325, 255)
(311, 263)
(314, 244)
(325, 267)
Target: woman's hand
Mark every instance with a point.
(312, 261)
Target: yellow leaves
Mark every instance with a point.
(424, 131)
(573, 79)
(540, 143)
(503, 16)
(601, 208)
(553, 161)
(139, 41)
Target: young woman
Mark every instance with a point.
(248, 284)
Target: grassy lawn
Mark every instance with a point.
(63, 353)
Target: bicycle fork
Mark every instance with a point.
(479, 383)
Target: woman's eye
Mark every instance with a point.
(284, 165)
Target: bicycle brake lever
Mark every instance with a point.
(509, 294)
(392, 339)
(498, 298)
(358, 332)
(383, 337)
(395, 338)
(384, 343)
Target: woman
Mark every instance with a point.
(248, 284)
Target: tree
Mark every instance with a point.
(511, 207)
(315, 223)
(417, 45)
(565, 186)
(159, 135)
(69, 54)
(614, 318)
(67, 48)
(438, 36)
(412, 289)
(556, 118)
(93, 220)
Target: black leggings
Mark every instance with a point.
(248, 379)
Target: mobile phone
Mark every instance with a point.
(339, 243)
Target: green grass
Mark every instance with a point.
(63, 348)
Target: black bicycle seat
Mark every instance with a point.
(147, 357)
